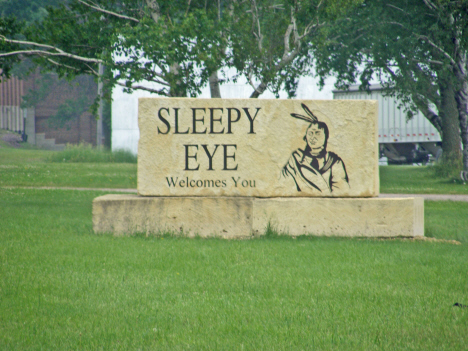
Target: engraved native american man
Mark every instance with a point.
(314, 168)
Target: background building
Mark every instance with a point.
(47, 111)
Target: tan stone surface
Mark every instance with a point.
(262, 147)
(375, 217)
(213, 216)
(237, 217)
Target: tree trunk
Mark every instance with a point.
(461, 98)
(99, 122)
(214, 85)
(258, 91)
(450, 125)
(176, 89)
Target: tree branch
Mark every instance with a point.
(188, 8)
(430, 4)
(91, 71)
(23, 42)
(155, 11)
(249, 79)
(422, 105)
(286, 40)
(434, 62)
(438, 48)
(394, 23)
(162, 91)
(42, 53)
(256, 23)
(434, 118)
(109, 12)
(397, 8)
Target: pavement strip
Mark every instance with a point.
(431, 197)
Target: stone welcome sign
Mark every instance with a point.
(261, 148)
(231, 167)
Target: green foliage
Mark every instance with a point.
(416, 50)
(87, 153)
(271, 42)
(448, 168)
(43, 87)
(171, 45)
(9, 27)
(177, 45)
(70, 110)
(27, 10)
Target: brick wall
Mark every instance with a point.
(80, 129)
(75, 132)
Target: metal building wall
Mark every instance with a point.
(11, 113)
(393, 126)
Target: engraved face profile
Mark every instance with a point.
(314, 168)
(315, 136)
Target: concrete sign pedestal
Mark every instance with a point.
(242, 217)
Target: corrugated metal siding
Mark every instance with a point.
(11, 113)
(393, 127)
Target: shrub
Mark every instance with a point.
(448, 168)
(86, 153)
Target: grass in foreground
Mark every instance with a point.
(33, 168)
(417, 180)
(62, 287)
(446, 220)
(81, 175)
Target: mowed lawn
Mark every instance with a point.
(64, 288)
(418, 180)
(32, 168)
(20, 167)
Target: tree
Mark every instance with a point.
(418, 51)
(180, 45)
(159, 42)
(137, 41)
(271, 41)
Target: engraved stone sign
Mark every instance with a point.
(232, 168)
(260, 148)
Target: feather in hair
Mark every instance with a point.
(309, 112)
(305, 118)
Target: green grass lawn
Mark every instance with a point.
(29, 167)
(417, 180)
(62, 287)
(82, 175)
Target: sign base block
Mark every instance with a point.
(243, 217)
